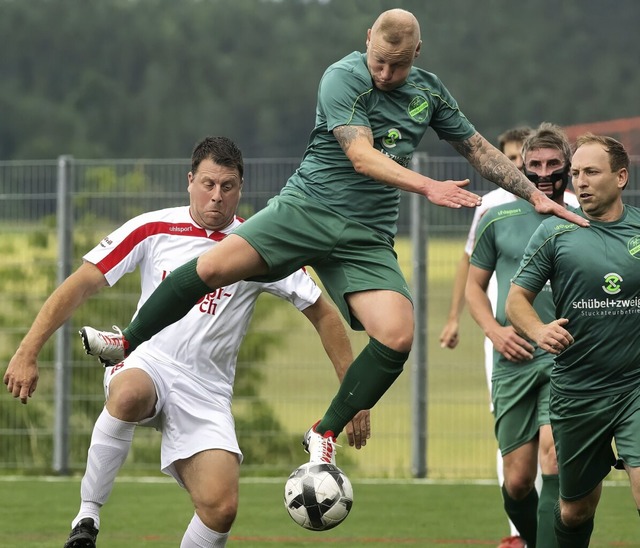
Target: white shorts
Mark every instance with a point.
(190, 417)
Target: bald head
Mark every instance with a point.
(393, 43)
(397, 26)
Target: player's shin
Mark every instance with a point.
(548, 497)
(110, 444)
(577, 537)
(367, 379)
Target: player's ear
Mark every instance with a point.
(623, 178)
(417, 49)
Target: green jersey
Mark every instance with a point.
(398, 120)
(502, 235)
(595, 279)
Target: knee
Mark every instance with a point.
(399, 339)
(573, 516)
(208, 271)
(404, 341)
(129, 404)
(218, 515)
(549, 462)
(519, 486)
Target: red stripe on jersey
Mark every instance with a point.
(153, 229)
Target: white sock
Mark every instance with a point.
(110, 443)
(198, 535)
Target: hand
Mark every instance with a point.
(449, 336)
(451, 194)
(359, 429)
(21, 377)
(553, 337)
(512, 346)
(547, 206)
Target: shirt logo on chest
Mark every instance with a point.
(392, 138)
(418, 109)
(634, 247)
(612, 283)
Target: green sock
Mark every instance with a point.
(524, 515)
(367, 379)
(548, 497)
(575, 537)
(171, 301)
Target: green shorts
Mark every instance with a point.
(584, 429)
(292, 232)
(521, 403)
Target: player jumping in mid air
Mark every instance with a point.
(338, 213)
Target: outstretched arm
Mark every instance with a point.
(489, 162)
(22, 374)
(327, 322)
(357, 144)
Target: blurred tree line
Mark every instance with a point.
(149, 78)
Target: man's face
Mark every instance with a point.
(214, 193)
(596, 186)
(389, 64)
(512, 150)
(546, 164)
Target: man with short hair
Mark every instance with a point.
(594, 275)
(180, 381)
(338, 213)
(520, 375)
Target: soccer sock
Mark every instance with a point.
(523, 514)
(110, 443)
(367, 379)
(548, 497)
(574, 537)
(198, 535)
(171, 301)
(513, 530)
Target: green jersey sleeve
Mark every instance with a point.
(341, 96)
(536, 266)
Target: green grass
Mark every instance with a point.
(36, 513)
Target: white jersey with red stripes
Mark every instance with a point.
(204, 343)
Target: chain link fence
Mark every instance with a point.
(52, 212)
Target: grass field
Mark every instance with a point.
(35, 513)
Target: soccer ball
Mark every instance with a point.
(318, 496)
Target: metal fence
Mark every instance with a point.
(434, 421)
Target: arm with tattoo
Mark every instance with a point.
(493, 165)
(346, 135)
(357, 144)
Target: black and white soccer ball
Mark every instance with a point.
(318, 496)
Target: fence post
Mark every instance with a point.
(419, 352)
(62, 366)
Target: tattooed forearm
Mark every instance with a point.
(493, 165)
(346, 135)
